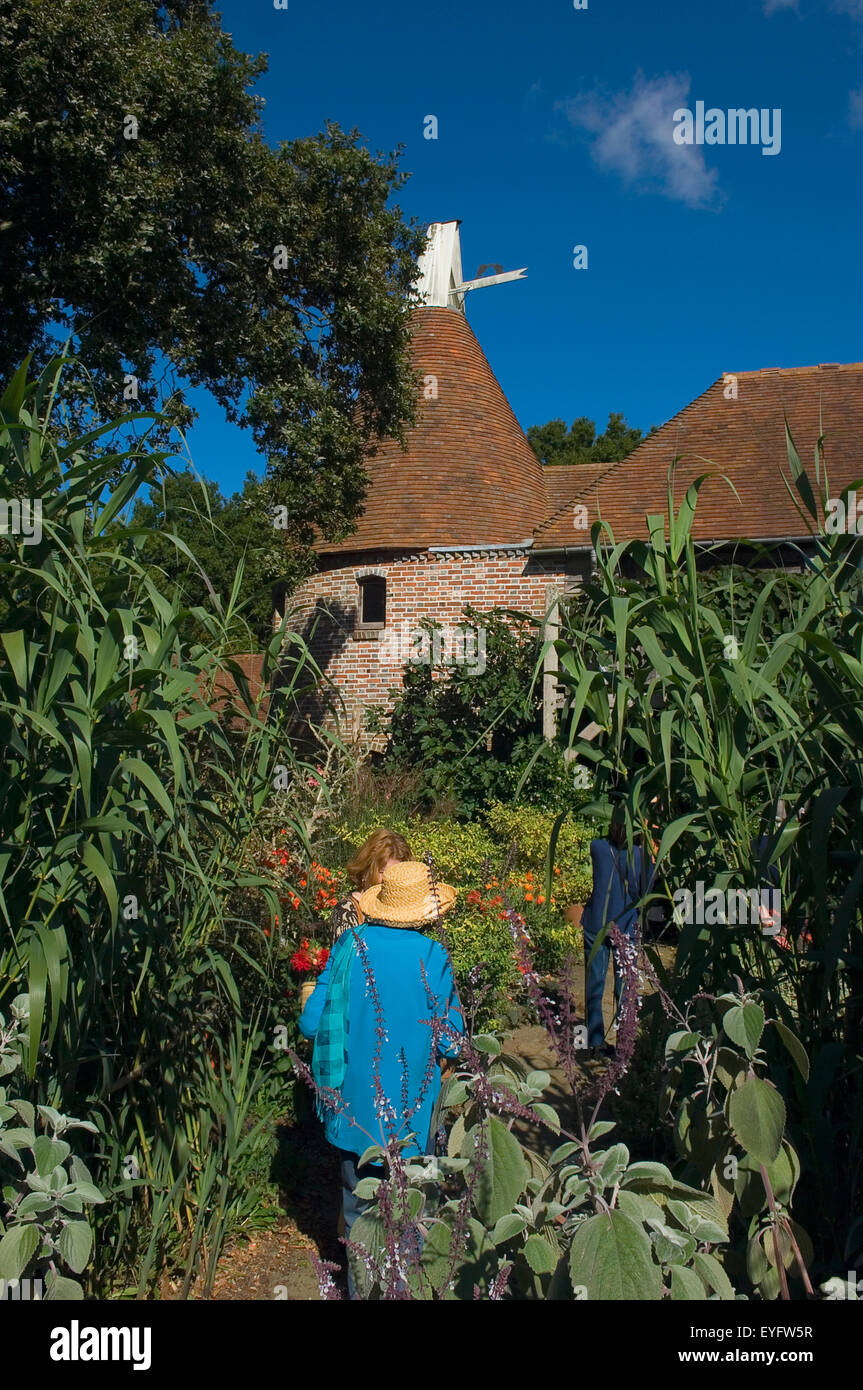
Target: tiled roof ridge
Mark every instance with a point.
(736, 435)
(633, 459)
(795, 371)
(594, 482)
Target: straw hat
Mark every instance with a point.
(406, 895)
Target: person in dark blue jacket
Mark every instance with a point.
(377, 1051)
(618, 883)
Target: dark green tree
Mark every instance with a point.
(222, 533)
(554, 444)
(143, 214)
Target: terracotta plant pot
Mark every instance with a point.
(572, 914)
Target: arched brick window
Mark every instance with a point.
(372, 606)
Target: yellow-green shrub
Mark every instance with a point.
(529, 829)
(458, 850)
(483, 939)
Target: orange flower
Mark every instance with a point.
(541, 898)
(528, 897)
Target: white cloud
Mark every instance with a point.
(854, 8)
(855, 108)
(634, 137)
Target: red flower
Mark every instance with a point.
(308, 958)
(474, 897)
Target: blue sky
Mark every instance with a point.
(555, 129)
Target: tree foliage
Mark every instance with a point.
(553, 444)
(143, 213)
(221, 534)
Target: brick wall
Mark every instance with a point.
(366, 665)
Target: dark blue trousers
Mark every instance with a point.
(595, 976)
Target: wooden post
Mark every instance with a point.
(550, 698)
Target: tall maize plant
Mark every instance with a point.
(127, 802)
(714, 707)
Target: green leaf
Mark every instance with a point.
(548, 1114)
(795, 1048)
(713, 1275)
(26, 1112)
(455, 1139)
(507, 1227)
(685, 1285)
(34, 1202)
(611, 1257)
(18, 652)
(744, 1025)
(486, 1042)
(58, 1287)
(538, 1080)
(17, 1248)
(756, 1113)
(672, 833)
(457, 1093)
(637, 1205)
(600, 1128)
(540, 1254)
(681, 1041)
(366, 1188)
(87, 1192)
(502, 1176)
(612, 1163)
(653, 1174)
(49, 1153)
(97, 866)
(372, 1154)
(145, 774)
(75, 1244)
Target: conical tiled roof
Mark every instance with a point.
(468, 476)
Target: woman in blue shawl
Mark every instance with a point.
(383, 1014)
